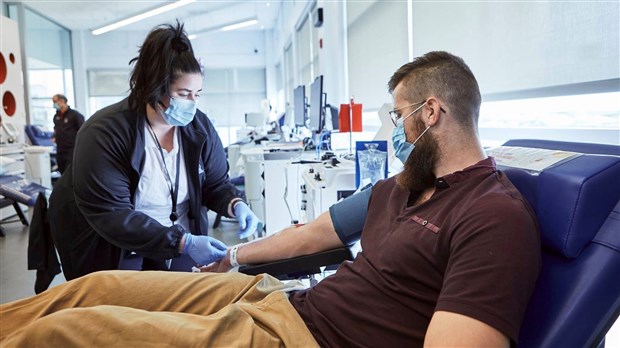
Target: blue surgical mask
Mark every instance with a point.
(180, 112)
(403, 148)
(56, 106)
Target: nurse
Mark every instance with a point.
(145, 171)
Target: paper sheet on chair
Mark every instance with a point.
(528, 158)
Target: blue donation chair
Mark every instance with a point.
(577, 202)
(40, 137)
(14, 190)
(577, 296)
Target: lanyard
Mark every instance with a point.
(173, 192)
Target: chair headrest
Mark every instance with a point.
(38, 132)
(571, 199)
(39, 136)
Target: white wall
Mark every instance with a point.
(12, 87)
(334, 52)
(377, 46)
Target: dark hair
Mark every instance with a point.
(164, 56)
(446, 76)
(60, 96)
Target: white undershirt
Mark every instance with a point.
(153, 193)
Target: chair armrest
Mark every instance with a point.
(300, 266)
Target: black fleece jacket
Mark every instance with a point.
(108, 159)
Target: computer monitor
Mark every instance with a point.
(299, 100)
(317, 105)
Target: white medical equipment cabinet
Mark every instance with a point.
(325, 184)
(269, 189)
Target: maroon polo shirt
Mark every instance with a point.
(473, 248)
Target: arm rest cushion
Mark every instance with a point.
(301, 265)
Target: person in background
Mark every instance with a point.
(145, 171)
(450, 256)
(67, 123)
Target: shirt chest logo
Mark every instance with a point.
(423, 222)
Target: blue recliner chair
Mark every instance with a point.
(577, 297)
(40, 137)
(577, 202)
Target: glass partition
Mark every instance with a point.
(49, 63)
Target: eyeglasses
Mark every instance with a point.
(395, 115)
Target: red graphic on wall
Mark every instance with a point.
(9, 104)
(3, 70)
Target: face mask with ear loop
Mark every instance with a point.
(402, 148)
(180, 112)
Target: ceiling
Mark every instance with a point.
(198, 16)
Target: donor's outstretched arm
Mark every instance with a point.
(340, 226)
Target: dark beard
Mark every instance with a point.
(417, 174)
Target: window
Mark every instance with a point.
(308, 49)
(228, 94)
(106, 87)
(558, 81)
(593, 118)
(43, 84)
(48, 62)
(314, 49)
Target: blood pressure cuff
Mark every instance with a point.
(349, 215)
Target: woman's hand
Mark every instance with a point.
(203, 249)
(248, 222)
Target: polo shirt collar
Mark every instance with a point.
(485, 166)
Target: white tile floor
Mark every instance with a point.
(17, 282)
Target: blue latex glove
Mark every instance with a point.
(248, 222)
(204, 249)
